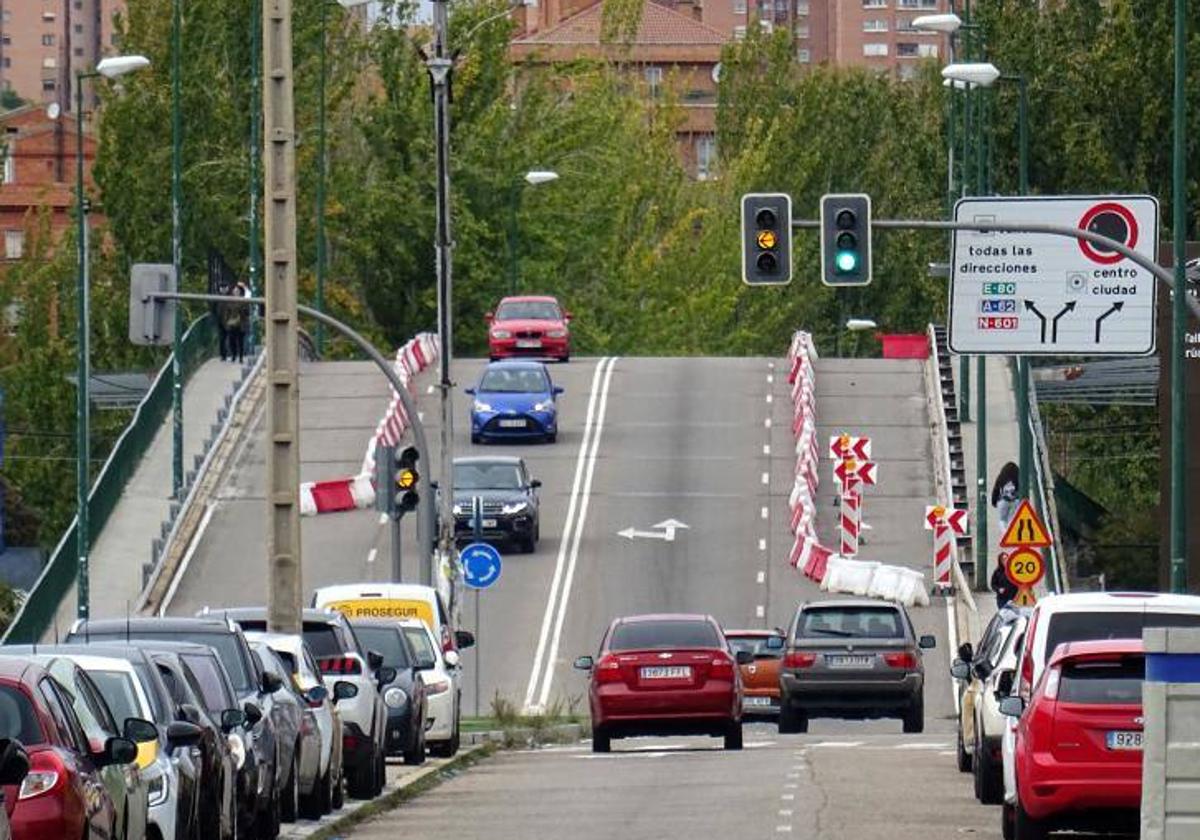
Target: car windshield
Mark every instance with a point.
(17, 718)
(501, 380)
(322, 639)
(664, 635)
(850, 623)
(147, 680)
(484, 476)
(528, 310)
(1103, 682)
(1088, 626)
(225, 644)
(420, 643)
(386, 642)
(119, 694)
(756, 645)
(208, 677)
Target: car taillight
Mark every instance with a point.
(799, 659)
(608, 670)
(437, 687)
(905, 659)
(45, 772)
(1026, 687)
(1050, 689)
(721, 668)
(340, 665)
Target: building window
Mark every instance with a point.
(906, 72)
(706, 156)
(927, 50)
(79, 52)
(915, 4)
(802, 30)
(50, 63)
(801, 8)
(875, 50)
(803, 55)
(653, 77)
(739, 33)
(79, 29)
(739, 7)
(14, 244)
(49, 86)
(875, 25)
(874, 4)
(906, 50)
(10, 164)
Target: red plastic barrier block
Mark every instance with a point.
(905, 346)
(331, 496)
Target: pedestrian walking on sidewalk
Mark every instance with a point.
(1004, 588)
(218, 313)
(233, 318)
(1004, 493)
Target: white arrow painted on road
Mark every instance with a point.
(664, 531)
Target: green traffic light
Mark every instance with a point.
(846, 261)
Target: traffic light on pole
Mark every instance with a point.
(766, 239)
(406, 480)
(846, 239)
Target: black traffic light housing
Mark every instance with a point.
(766, 239)
(407, 478)
(846, 239)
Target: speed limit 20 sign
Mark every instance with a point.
(1025, 567)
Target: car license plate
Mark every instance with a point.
(515, 423)
(489, 523)
(758, 701)
(529, 343)
(850, 661)
(667, 672)
(1124, 740)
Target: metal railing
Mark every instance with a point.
(58, 576)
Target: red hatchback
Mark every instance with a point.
(529, 326)
(1079, 742)
(665, 675)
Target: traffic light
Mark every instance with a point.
(766, 239)
(406, 480)
(846, 239)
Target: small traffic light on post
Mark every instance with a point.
(766, 239)
(846, 239)
(406, 478)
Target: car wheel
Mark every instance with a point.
(914, 718)
(989, 778)
(476, 439)
(316, 804)
(733, 736)
(565, 359)
(290, 806)
(528, 545)
(961, 755)
(601, 740)
(1026, 827)
(552, 437)
(415, 754)
(791, 719)
(1007, 822)
(380, 772)
(362, 779)
(337, 796)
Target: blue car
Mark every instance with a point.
(514, 401)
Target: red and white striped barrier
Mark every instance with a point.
(358, 491)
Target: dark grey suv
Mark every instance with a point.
(852, 659)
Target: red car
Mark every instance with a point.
(529, 326)
(63, 794)
(1079, 742)
(665, 675)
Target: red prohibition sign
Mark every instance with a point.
(1131, 231)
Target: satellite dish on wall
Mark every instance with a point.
(716, 73)
(53, 111)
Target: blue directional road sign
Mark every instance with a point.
(480, 565)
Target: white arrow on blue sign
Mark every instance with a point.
(480, 565)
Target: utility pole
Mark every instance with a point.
(285, 590)
(439, 65)
(255, 268)
(1179, 537)
(177, 245)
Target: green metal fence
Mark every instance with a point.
(57, 578)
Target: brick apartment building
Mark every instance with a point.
(44, 43)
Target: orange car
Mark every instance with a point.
(760, 677)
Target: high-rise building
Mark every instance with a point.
(44, 44)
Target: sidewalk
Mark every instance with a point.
(124, 544)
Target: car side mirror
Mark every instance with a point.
(464, 639)
(960, 670)
(536, 483)
(927, 642)
(181, 734)
(385, 675)
(253, 713)
(451, 658)
(470, 391)
(981, 669)
(1012, 706)
(140, 731)
(426, 664)
(558, 389)
(343, 690)
(14, 762)
(584, 663)
(316, 695)
(743, 657)
(1004, 683)
(374, 660)
(270, 683)
(117, 751)
(231, 719)
(966, 652)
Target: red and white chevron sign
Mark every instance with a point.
(851, 520)
(955, 520)
(942, 539)
(865, 471)
(848, 446)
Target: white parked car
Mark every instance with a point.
(442, 674)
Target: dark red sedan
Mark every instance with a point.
(532, 326)
(665, 675)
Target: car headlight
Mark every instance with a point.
(37, 782)
(556, 334)
(544, 405)
(437, 687)
(395, 698)
(238, 747)
(501, 334)
(516, 507)
(158, 789)
(482, 406)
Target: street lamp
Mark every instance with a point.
(947, 23)
(109, 68)
(860, 324)
(973, 73)
(533, 178)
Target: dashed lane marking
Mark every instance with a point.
(788, 797)
(766, 512)
(770, 398)
(766, 478)
(762, 543)
(760, 611)
(761, 577)
(371, 556)
(766, 449)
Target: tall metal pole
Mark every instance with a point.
(1025, 449)
(285, 589)
(255, 268)
(177, 245)
(512, 237)
(439, 75)
(321, 170)
(83, 372)
(1179, 570)
(982, 549)
(964, 362)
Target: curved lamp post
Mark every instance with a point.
(533, 178)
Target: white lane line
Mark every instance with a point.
(765, 513)
(429, 390)
(585, 498)
(383, 518)
(782, 829)
(835, 744)
(952, 637)
(766, 478)
(787, 797)
(371, 555)
(770, 398)
(766, 449)
(785, 812)
(793, 775)
(790, 786)
(767, 422)
(560, 562)
(929, 746)
(770, 379)
(187, 558)
(761, 577)
(762, 543)
(760, 611)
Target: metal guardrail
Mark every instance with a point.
(58, 575)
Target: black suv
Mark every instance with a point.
(508, 497)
